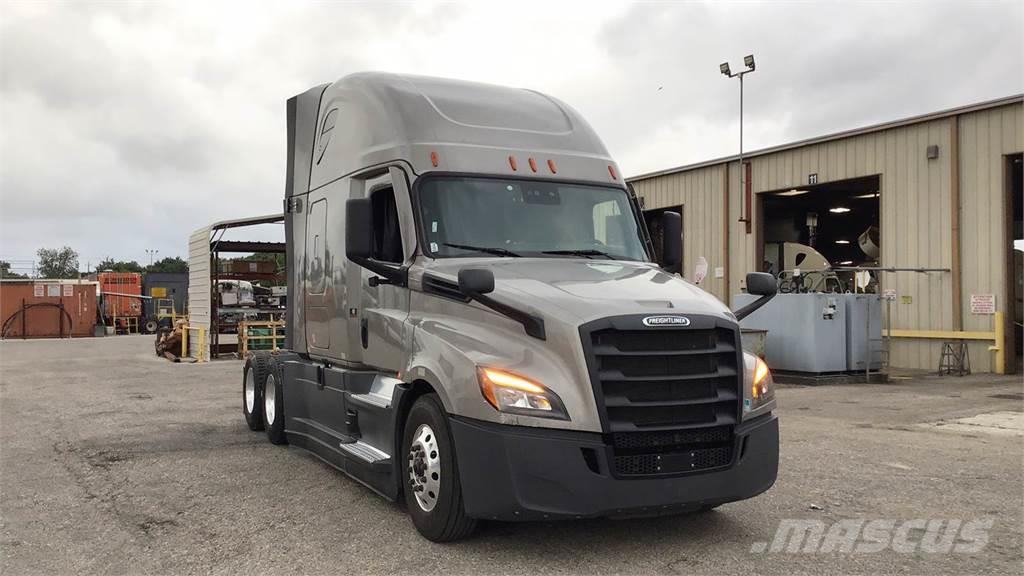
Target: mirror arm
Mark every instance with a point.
(753, 306)
(534, 325)
(390, 274)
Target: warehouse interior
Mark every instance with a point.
(839, 220)
(1015, 189)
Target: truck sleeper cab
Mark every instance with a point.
(476, 325)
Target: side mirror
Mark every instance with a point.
(761, 284)
(359, 230)
(475, 281)
(671, 240)
(359, 244)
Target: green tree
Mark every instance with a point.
(5, 271)
(109, 263)
(58, 263)
(169, 264)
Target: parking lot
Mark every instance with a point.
(115, 461)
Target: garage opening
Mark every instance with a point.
(809, 230)
(1015, 189)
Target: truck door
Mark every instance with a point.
(379, 326)
(318, 333)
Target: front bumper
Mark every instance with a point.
(519, 473)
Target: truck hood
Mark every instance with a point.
(579, 290)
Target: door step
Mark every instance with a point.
(365, 453)
(371, 400)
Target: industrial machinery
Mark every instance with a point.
(476, 325)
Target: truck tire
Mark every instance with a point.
(433, 492)
(254, 373)
(273, 403)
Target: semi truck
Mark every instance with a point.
(477, 326)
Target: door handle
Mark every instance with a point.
(364, 332)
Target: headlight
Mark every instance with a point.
(758, 387)
(514, 394)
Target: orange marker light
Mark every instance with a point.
(433, 159)
(551, 166)
(611, 171)
(512, 163)
(533, 164)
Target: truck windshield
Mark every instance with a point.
(465, 217)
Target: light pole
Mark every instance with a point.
(151, 254)
(748, 61)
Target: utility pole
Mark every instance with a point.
(151, 253)
(748, 61)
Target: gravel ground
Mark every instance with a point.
(113, 461)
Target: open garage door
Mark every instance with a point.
(807, 230)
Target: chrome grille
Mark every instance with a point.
(670, 397)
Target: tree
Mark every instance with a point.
(109, 263)
(5, 271)
(175, 264)
(54, 263)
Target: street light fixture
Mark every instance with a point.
(151, 254)
(748, 61)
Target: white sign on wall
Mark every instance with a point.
(69, 290)
(53, 290)
(38, 290)
(983, 303)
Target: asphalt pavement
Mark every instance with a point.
(114, 461)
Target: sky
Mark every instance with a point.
(125, 126)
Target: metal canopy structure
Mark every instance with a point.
(246, 247)
(204, 246)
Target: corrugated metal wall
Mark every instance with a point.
(985, 138)
(199, 287)
(916, 214)
(702, 196)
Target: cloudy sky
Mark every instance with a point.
(124, 126)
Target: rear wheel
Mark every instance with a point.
(273, 405)
(433, 492)
(254, 374)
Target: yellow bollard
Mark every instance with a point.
(184, 341)
(1000, 346)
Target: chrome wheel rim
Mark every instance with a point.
(269, 395)
(425, 468)
(250, 392)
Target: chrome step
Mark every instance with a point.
(363, 451)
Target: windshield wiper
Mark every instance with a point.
(484, 249)
(585, 253)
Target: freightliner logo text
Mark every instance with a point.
(666, 321)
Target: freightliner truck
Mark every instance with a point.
(477, 326)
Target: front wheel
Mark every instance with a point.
(433, 492)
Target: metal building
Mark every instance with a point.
(946, 189)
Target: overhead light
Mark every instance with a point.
(866, 196)
(748, 61)
(846, 262)
(842, 241)
(793, 192)
(724, 67)
(839, 210)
